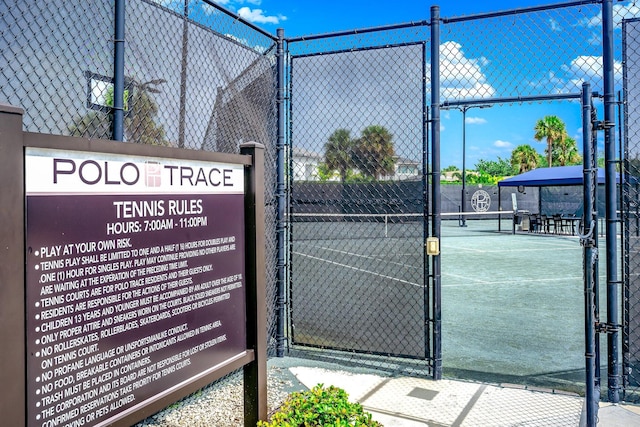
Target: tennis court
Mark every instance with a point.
(354, 288)
(512, 305)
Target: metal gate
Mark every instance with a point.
(359, 273)
(358, 217)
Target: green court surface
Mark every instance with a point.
(512, 304)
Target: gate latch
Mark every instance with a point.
(603, 125)
(433, 246)
(606, 328)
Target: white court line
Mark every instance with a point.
(506, 282)
(346, 252)
(528, 246)
(459, 276)
(375, 258)
(359, 269)
(486, 251)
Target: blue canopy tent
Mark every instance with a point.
(557, 176)
(555, 198)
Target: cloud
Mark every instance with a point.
(475, 121)
(257, 16)
(502, 144)
(588, 68)
(462, 77)
(595, 39)
(554, 25)
(230, 2)
(620, 12)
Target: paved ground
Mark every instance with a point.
(418, 402)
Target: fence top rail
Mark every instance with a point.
(358, 31)
(517, 11)
(445, 20)
(359, 49)
(239, 19)
(512, 99)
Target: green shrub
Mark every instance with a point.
(326, 407)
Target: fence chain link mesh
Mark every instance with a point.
(515, 56)
(199, 78)
(356, 217)
(195, 77)
(631, 213)
(335, 217)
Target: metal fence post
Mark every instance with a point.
(118, 71)
(613, 284)
(183, 74)
(435, 188)
(425, 204)
(281, 198)
(590, 259)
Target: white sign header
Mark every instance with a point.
(50, 171)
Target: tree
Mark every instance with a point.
(139, 122)
(92, 125)
(565, 152)
(500, 167)
(524, 158)
(553, 130)
(490, 171)
(373, 153)
(338, 153)
(140, 125)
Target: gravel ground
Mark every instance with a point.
(221, 404)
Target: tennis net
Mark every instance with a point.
(312, 226)
(339, 226)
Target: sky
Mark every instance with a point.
(550, 53)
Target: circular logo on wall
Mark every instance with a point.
(480, 201)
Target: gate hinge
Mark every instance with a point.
(603, 125)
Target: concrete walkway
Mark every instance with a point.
(418, 402)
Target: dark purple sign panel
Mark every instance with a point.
(133, 285)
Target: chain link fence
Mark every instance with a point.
(517, 62)
(631, 210)
(358, 149)
(196, 77)
(358, 137)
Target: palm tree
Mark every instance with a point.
(338, 152)
(566, 152)
(553, 129)
(373, 152)
(524, 158)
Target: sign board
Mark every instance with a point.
(135, 279)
